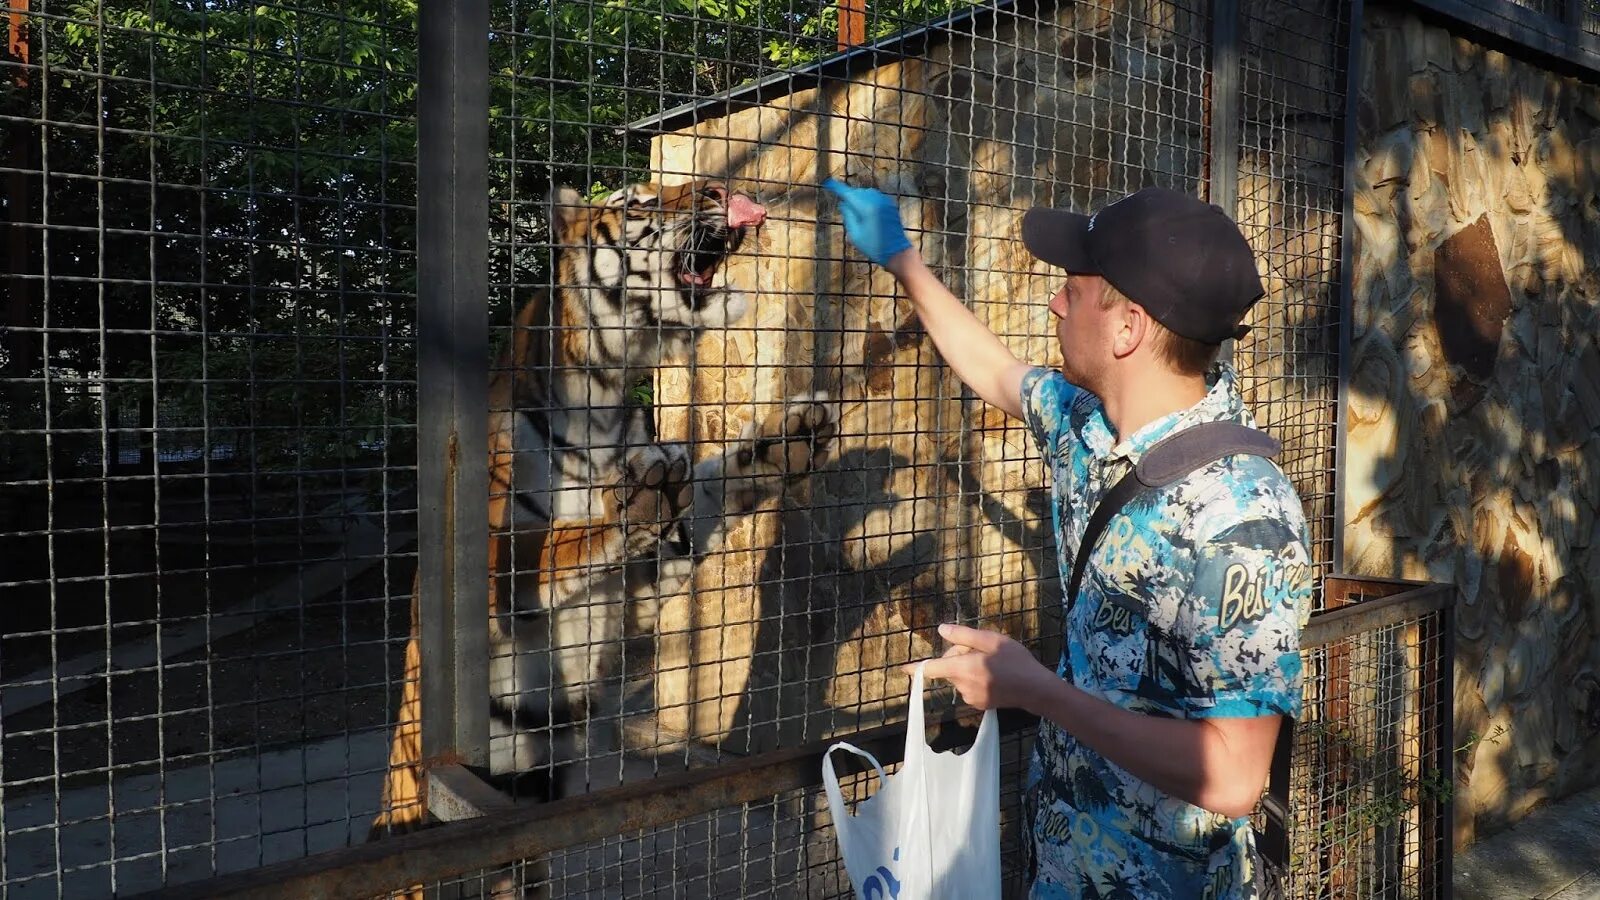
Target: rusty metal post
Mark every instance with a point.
(453, 379)
(17, 36)
(852, 23)
(21, 264)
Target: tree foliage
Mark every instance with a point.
(230, 201)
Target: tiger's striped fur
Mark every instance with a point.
(591, 519)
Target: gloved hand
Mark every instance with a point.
(871, 221)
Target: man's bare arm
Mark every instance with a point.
(872, 222)
(1217, 764)
(976, 355)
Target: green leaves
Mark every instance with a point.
(257, 164)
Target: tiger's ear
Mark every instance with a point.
(564, 206)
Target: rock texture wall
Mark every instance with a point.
(1474, 395)
(935, 507)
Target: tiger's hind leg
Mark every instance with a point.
(553, 656)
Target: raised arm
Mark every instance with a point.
(976, 355)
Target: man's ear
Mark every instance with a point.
(1134, 329)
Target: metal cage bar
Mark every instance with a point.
(453, 361)
(1366, 613)
(243, 240)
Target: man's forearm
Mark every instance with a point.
(1188, 758)
(975, 354)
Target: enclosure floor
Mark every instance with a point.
(268, 808)
(1550, 855)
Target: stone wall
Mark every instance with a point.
(1473, 451)
(935, 507)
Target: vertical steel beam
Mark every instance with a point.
(1223, 189)
(1223, 118)
(1354, 60)
(1444, 866)
(453, 376)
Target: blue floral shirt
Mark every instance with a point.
(1191, 606)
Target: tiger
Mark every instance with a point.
(592, 520)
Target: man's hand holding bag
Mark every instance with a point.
(932, 830)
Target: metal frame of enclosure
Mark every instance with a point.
(255, 298)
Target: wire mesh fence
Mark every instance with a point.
(1368, 809)
(775, 624)
(1372, 777)
(207, 385)
(730, 486)
(1290, 205)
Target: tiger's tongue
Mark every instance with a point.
(742, 211)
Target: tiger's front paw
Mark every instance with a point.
(652, 493)
(793, 440)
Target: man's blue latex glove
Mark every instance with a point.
(871, 221)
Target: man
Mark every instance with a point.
(1180, 657)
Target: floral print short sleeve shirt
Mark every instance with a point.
(1191, 607)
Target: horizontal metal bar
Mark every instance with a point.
(456, 793)
(1337, 624)
(540, 829)
(1341, 588)
(1549, 40)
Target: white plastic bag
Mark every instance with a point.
(931, 832)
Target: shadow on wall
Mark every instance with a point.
(819, 591)
(1073, 107)
(933, 510)
(1473, 452)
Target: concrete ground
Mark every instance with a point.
(138, 832)
(1553, 854)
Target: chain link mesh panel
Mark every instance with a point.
(1371, 785)
(206, 454)
(732, 486)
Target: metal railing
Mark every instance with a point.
(1562, 34)
(1369, 808)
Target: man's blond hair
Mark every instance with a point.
(1186, 356)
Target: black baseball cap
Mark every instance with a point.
(1180, 258)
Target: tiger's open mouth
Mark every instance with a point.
(712, 238)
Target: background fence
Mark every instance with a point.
(207, 399)
(240, 239)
